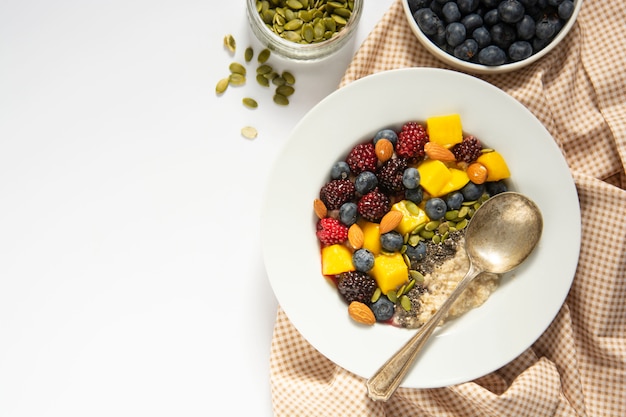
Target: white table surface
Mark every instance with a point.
(131, 275)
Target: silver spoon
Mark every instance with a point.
(499, 237)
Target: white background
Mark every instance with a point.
(131, 276)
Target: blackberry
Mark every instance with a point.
(373, 205)
(362, 158)
(331, 231)
(337, 192)
(468, 150)
(356, 286)
(411, 141)
(390, 175)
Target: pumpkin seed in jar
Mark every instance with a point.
(250, 103)
(264, 55)
(294, 24)
(294, 4)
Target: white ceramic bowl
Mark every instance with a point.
(484, 69)
(481, 340)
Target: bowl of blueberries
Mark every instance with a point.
(490, 36)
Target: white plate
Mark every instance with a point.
(480, 341)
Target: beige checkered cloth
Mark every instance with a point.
(578, 366)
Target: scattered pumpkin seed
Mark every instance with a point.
(278, 81)
(281, 100)
(229, 43)
(250, 103)
(249, 132)
(288, 77)
(391, 295)
(264, 69)
(264, 55)
(237, 68)
(236, 79)
(262, 80)
(285, 90)
(222, 85)
(249, 54)
(410, 285)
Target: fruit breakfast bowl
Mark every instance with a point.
(521, 152)
(490, 36)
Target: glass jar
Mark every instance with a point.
(291, 49)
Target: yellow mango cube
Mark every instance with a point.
(445, 130)
(457, 181)
(371, 236)
(390, 272)
(412, 216)
(336, 259)
(497, 169)
(434, 176)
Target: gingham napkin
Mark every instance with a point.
(578, 366)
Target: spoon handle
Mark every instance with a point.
(389, 376)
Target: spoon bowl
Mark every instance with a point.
(500, 236)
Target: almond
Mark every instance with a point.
(320, 208)
(384, 150)
(355, 236)
(390, 221)
(361, 313)
(438, 152)
(477, 172)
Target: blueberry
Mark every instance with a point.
(491, 17)
(472, 192)
(414, 5)
(383, 308)
(388, 134)
(490, 4)
(495, 187)
(491, 55)
(451, 12)
(471, 22)
(455, 33)
(427, 20)
(416, 253)
(363, 260)
(411, 178)
(468, 6)
(525, 28)
(466, 50)
(391, 241)
(348, 213)
(454, 200)
(503, 35)
(365, 182)
(340, 171)
(435, 208)
(511, 11)
(415, 195)
(482, 37)
(555, 2)
(565, 9)
(545, 28)
(528, 3)
(520, 50)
